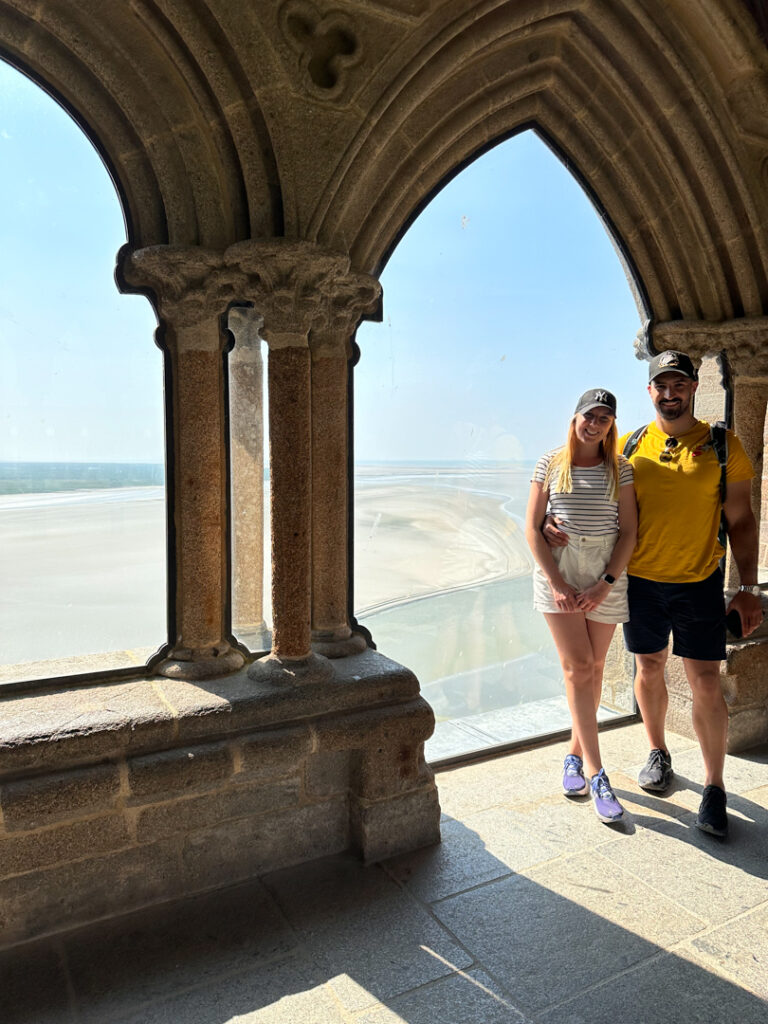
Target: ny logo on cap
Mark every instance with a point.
(600, 396)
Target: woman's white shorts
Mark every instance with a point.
(582, 563)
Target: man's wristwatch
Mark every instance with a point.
(610, 580)
(751, 588)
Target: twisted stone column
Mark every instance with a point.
(246, 431)
(185, 288)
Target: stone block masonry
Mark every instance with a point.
(101, 814)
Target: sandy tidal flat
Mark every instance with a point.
(414, 538)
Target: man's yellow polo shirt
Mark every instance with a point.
(679, 503)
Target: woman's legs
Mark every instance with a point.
(582, 646)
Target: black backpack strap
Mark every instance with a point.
(633, 441)
(719, 438)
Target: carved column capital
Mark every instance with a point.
(298, 286)
(348, 299)
(744, 340)
(290, 285)
(190, 285)
(293, 286)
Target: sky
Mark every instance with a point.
(504, 301)
(80, 374)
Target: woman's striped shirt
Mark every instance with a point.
(586, 510)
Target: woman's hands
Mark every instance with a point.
(590, 598)
(566, 597)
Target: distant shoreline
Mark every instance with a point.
(54, 477)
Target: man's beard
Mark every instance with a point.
(673, 412)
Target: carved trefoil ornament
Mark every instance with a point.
(326, 45)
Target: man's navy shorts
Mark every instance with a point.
(693, 612)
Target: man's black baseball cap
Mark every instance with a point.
(672, 362)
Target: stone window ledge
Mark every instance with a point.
(44, 730)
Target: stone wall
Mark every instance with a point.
(113, 799)
(744, 679)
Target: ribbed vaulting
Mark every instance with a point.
(218, 127)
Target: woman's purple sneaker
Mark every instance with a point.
(574, 783)
(607, 807)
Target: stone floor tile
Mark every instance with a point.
(33, 986)
(737, 950)
(169, 948)
(649, 809)
(284, 992)
(627, 746)
(467, 998)
(502, 782)
(567, 824)
(542, 947)
(602, 887)
(484, 846)
(713, 879)
(666, 990)
(371, 939)
(458, 863)
(747, 770)
(758, 797)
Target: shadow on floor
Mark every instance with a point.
(450, 935)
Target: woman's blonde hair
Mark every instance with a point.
(559, 469)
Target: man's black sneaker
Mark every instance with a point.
(657, 774)
(712, 817)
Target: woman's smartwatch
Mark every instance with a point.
(610, 580)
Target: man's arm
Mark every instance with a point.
(742, 534)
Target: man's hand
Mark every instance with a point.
(552, 535)
(750, 611)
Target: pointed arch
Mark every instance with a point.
(168, 107)
(630, 98)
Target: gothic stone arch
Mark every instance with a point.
(268, 156)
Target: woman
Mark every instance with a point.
(582, 588)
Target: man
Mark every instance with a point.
(675, 581)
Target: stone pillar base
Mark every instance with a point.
(280, 671)
(744, 678)
(189, 663)
(396, 825)
(745, 687)
(337, 644)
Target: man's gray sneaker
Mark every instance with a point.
(657, 774)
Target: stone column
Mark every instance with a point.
(246, 432)
(750, 398)
(330, 352)
(296, 283)
(184, 284)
